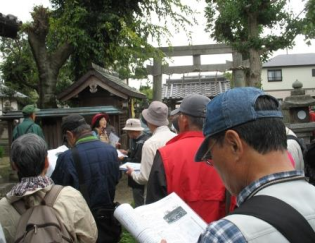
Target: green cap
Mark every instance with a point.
(29, 109)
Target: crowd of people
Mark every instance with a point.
(231, 159)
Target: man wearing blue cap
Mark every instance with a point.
(28, 125)
(245, 140)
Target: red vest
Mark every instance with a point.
(197, 183)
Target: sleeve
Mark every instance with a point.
(137, 154)
(146, 163)
(76, 215)
(157, 188)
(222, 231)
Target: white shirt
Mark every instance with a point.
(159, 138)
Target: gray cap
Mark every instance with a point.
(194, 105)
(156, 114)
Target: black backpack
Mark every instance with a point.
(300, 141)
(309, 161)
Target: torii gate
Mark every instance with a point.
(196, 51)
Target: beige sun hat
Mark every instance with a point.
(156, 114)
(133, 124)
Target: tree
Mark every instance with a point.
(309, 23)
(20, 72)
(19, 69)
(254, 28)
(110, 33)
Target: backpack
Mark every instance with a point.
(41, 223)
(309, 160)
(300, 141)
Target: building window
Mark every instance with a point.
(313, 72)
(274, 75)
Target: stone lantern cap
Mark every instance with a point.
(298, 97)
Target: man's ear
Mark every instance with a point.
(183, 123)
(234, 142)
(32, 116)
(14, 167)
(70, 135)
(46, 163)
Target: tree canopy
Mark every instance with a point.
(113, 34)
(253, 28)
(309, 23)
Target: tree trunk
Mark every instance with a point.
(254, 54)
(48, 63)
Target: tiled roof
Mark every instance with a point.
(9, 25)
(105, 78)
(60, 112)
(114, 78)
(209, 86)
(291, 60)
(4, 90)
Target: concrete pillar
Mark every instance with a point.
(157, 80)
(238, 72)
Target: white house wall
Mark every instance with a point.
(281, 89)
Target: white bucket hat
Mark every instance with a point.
(133, 125)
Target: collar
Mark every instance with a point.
(265, 181)
(139, 137)
(28, 119)
(86, 138)
(183, 135)
(28, 186)
(161, 129)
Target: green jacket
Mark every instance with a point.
(27, 126)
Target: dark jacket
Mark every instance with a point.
(135, 155)
(100, 166)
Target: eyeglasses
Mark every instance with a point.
(207, 157)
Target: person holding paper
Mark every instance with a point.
(156, 119)
(246, 142)
(135, 133)
(102, 129)
(174, 169)
(97, 160)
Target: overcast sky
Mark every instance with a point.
(22, 9)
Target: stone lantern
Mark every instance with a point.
(296, 112)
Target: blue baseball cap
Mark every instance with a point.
(232, 108)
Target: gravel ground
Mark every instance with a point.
(123, 192)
